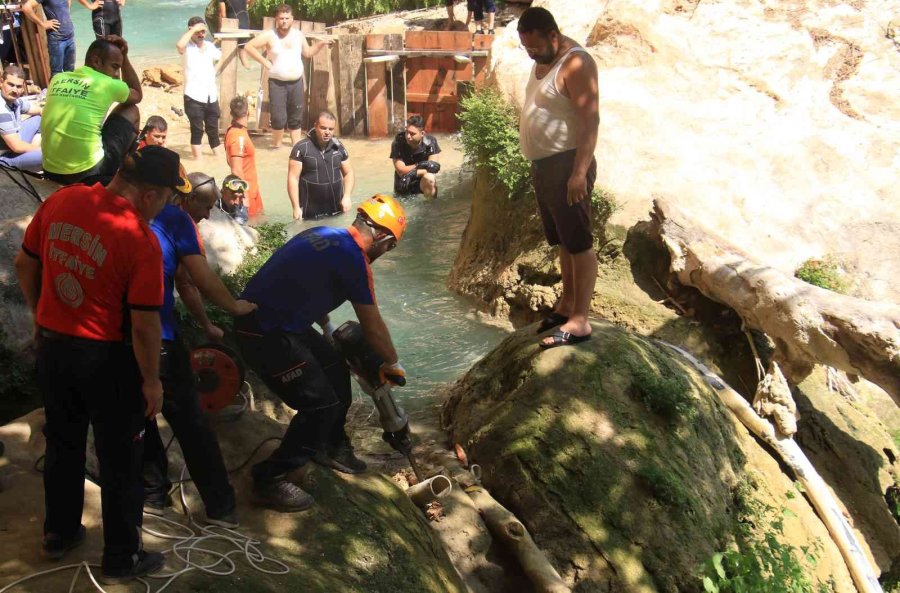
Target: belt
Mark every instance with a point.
(52, 335)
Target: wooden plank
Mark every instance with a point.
(228, 76)
(480, 64)
(396, 86)
(263, 115)
(432, 80)
(322, 91)
(38, 56)
(352, 85)
(376, 92)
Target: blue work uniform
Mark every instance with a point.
(177, 235)
(310, 276)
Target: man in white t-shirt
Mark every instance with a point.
(201, 92)
(285, 47)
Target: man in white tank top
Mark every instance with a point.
(285, 47)
(558, 133)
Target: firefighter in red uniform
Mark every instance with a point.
(91, 271)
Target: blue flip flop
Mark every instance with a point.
(561, 338)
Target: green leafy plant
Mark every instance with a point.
(824, 273)
(330, 11)
(272, 235)
(603, 205)
(490, 138)
(760, 562)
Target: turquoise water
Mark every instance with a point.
(151, 28)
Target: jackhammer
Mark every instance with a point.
(364, 365)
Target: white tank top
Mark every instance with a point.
(548, 122)
(286, 55)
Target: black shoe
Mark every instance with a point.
(55, 547)
(154, 509)
(226, 520)
(143, 563)
(282, 495)
(342, 459)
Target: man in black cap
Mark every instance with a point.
(89, 267)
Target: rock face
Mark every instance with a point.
(774, 123)
(363, 535)
(621, 461)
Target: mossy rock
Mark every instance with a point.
(616, 455)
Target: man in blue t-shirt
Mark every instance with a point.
(60, 32)
(186, 268)
(306, 279)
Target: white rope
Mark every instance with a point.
(189, 543)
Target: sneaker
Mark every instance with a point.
(342, 459)
(282, 495)
(55, 547)
(227, 520)
(143, 563)
(479, 31)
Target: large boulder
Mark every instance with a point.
(628, 470)
(774, 123)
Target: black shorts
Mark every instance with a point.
(563, 224)
(286, 101)
(408, 184)
(118, 139)
(102, 27)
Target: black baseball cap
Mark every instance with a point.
(157, 165)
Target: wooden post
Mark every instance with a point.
(376, 92)
(36, 50)
(264, 120)
(322, 88)
(480, 63)
(396, 86)
(228, 76)
(352, 85)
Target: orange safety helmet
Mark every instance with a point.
(385, 211)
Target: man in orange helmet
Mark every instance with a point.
(306, 279)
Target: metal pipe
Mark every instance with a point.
(431, 489)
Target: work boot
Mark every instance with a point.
(55, 546)
(143, 563)
(282, 495)
(342, 459)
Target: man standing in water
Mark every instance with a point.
(320, 178)
(106, 16)
(558, 133)
(310, 276)
(285, 49)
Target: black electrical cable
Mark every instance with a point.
(24, 184)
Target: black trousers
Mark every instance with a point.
(310, 376)
(87, 381)
(190, 424)
(203, 115)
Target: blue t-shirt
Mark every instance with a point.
(59, 10)
(310, 276)
(177, 238)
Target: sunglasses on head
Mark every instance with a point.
(236, 185)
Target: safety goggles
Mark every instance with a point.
(236, 185)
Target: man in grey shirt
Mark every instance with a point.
(20, 140)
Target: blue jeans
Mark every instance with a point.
(62, 54)
(30, 160)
